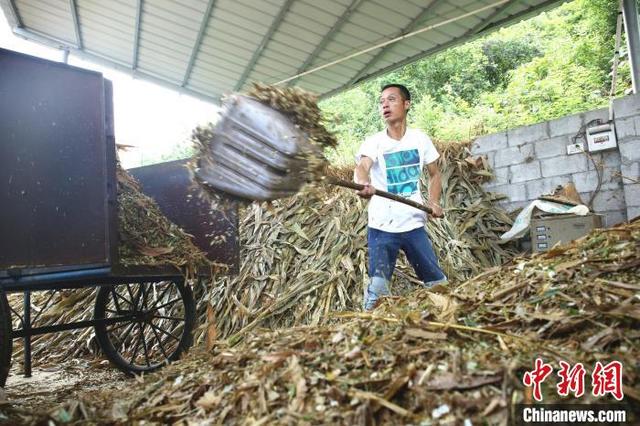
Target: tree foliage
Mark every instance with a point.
(555, 64)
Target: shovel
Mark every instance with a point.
(257, 153)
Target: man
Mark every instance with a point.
(393, 160)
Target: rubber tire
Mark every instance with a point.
(6, 340)
(112, 354)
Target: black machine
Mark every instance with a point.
(58, 219)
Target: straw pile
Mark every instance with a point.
(424, 359)
(306, 256)
(147, 238)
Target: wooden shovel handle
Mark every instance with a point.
(380, 193)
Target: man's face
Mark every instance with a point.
(393, 107)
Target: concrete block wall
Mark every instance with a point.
(531, 161)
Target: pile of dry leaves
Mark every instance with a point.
(427, 358)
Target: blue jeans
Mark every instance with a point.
(383, 253)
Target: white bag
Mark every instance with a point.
(522, 222)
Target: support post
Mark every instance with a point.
(630, 14)
(26, 326)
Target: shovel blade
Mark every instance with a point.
(255, 153)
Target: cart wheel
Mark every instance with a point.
(148, 324)
(6, 340)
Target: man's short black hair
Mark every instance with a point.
(403, 89)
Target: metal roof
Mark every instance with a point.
(208, 48)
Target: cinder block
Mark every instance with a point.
(565, 126)
(597, 114)
(609, 200)
(500, 176)
(632, 213)
(514, 155)
(552, 147)
(588, 181)
(538, 187)
(488, 143)
(608, 159)
(627, 106)
(491, 158)
(626, 127)
(525, 172)
(523, 135)
(614, 217)
(513, 192)
(630, 171)
(558, 166)
(630, 150)
(513, 206)
(632, 194)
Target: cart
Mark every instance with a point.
(58, 219)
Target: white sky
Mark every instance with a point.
(154, 119)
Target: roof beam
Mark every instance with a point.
(76, 24)
(136, 36)
(498, 13)
(196, 46)
(412, 25)
(14, 17)
(463, 38)
(265, 40)
(328, 38)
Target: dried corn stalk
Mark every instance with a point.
(432, 358)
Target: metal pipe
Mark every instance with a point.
(13, 282)
(36, 331)
(26, 326)
(630, 15)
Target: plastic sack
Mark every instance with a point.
(523, 221)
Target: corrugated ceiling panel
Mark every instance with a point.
(237, 59)
(171, 13)
(378, 27)
(311, 25)
(169, 34)
(112, 8)
(217, 62)
(296, 56)
(293, 30)
(311, 11)
(403, 7)
(55, 24)
(225, 71)
(208, 77)
(391, 16)
(109, 27)
(155, 62)
(224, 33)
(315, 84)
(54, 10)
(336, 50)
(97, 44)
(207, 86)
(258, 15)
(178, 37)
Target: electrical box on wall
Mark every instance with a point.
(602, 137)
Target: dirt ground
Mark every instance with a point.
(50, 386)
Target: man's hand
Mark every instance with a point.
(361, 176)
(367, 192)
(438, 212)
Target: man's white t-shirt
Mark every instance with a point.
(397, 167)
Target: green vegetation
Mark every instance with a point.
(552, 65)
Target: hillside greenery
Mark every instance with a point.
(555, 64)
